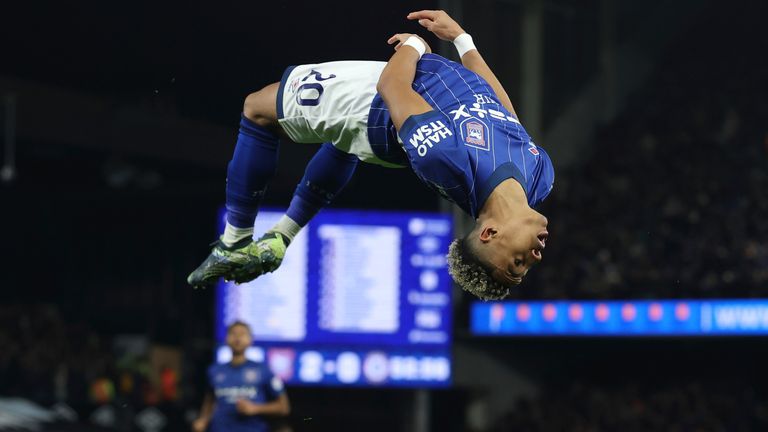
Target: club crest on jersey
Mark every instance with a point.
(250, 375)
(475, 134)
(427, 135)
(532, 148)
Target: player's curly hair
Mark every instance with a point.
(471, 274)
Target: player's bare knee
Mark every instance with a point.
(253, 109)
(260, 107)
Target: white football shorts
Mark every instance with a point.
(330, 102)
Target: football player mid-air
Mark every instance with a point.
(452, 124)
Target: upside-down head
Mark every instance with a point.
(495, 256)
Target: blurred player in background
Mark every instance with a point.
(243, 394)
(452, 124)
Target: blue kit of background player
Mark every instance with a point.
(244, 395)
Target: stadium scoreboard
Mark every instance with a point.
(362, 298)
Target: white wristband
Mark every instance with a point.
(417, 44)
(463, 43)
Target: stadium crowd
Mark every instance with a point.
(48, 359)
(45, 359)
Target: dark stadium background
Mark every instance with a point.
(125, 117)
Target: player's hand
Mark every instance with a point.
(247, 407)
(439, 23)
(199, 425)
(400, 39)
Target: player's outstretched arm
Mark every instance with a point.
(445, 28)
(396, 79)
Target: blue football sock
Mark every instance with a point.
(325, 176)
(252, 167)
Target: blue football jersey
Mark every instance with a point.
(467, 145)
(250, 380)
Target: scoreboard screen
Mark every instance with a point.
(362, 298)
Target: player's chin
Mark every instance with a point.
(506, 280)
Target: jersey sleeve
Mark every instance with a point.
(274, 385)
(438, 157)
(422, 132)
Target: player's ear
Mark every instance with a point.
(487, 233)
